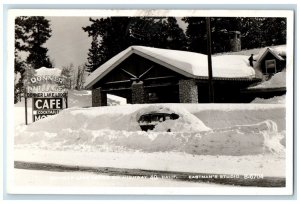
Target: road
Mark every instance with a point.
(42, 178)
(147, 177)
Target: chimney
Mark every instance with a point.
(235, 41)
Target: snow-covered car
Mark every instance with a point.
(149, 120)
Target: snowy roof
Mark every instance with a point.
(48, 71)
(279, 52)
(189, 64)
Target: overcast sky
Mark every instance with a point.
(69, 43)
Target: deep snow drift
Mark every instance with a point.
(83, 98)
(48, 71)
(274, 100)
(212, 138)
(116, 128)
(276, 81)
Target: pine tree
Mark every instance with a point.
(30, 34)
(37, 32)
(19, 63)
(94, 55)
(256, 32)
(196, 34)
(274, 31)
(252, 33)
(220, 32)
(110, 36)
(176, 38)
(114, 34)
(19, 69)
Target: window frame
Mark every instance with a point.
(268, 62)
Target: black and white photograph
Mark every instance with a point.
(151, 102)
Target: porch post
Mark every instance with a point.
(188, 91)
(99, 98)
(138, 92)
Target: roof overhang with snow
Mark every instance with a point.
(188, 64)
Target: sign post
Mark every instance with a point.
(25, 98)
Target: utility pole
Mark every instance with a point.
(210, 73)
(25, 95)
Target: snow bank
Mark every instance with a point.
(275, 100)
(116, 118)
(48, 71)
(83, 98)
(254, 139)
(276, 81)
(113, 100)
(186, 122)
(116, 129)
(218, 116)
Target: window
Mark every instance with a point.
(270, 66)
(152, 96)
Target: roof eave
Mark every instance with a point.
(93, 82)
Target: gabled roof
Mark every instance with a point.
(278, 52)
(189, 64)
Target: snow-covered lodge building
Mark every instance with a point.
(151, 75)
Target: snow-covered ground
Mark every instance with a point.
(276, 81)
(44, 71)
(267, 165)
(207, 138)
(274, 100)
